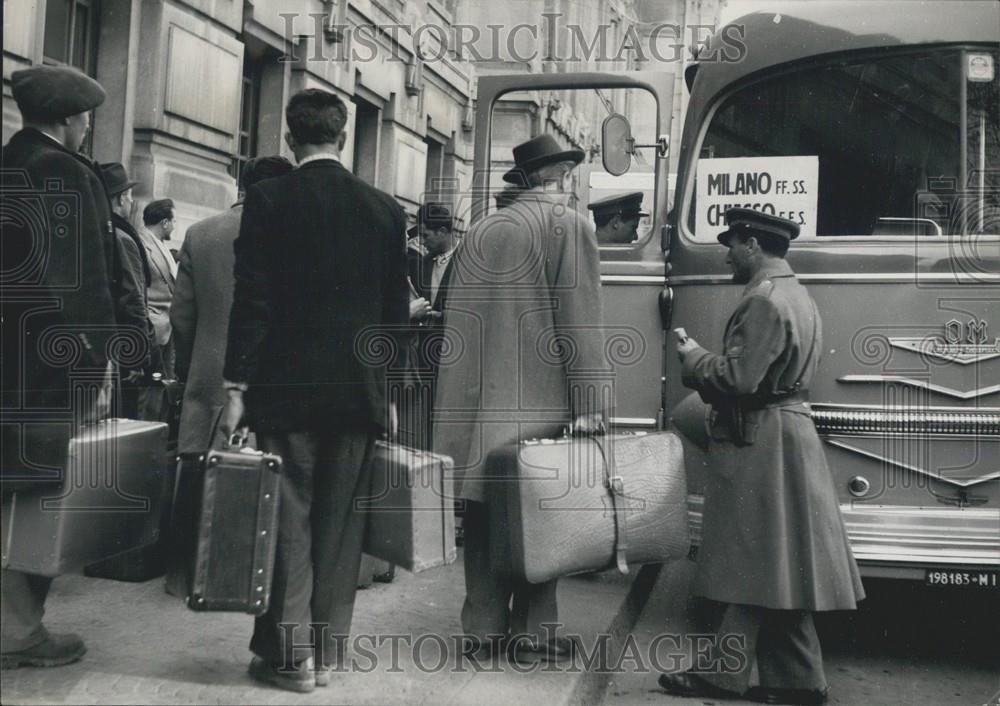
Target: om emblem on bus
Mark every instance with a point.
(959, 342)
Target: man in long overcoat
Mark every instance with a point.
(774, 548)
(58, 315)
(320, 276)
(522, 329)
(199, 321)
(199, 312)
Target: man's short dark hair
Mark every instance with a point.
(315, 116)
(156, 211)
(260, 168)
(770, 243)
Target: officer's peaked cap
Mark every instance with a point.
(626, 204)
(749, 221)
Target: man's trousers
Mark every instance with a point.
(783, 644)
(320, 536)
(495, 601)
(23, 605)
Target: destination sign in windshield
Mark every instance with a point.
(782, 186)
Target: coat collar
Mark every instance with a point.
(321, 163)
(771, 270)
(34, 136)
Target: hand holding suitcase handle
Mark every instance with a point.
(231, 418)
(586, 425)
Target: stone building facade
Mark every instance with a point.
(195, 87)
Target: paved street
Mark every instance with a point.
(909, 645)
(146, 647)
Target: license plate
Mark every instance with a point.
(968, 579)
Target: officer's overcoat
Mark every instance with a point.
(773, 535)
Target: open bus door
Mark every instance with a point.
(573, 107)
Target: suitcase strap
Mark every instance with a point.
(615, 486)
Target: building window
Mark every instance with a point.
(71, 33)
(366, 129)
(246, 148)
(71, 38)
(433, 184)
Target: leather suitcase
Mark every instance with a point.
(589, 503)
(110, 501)
(234, 532)
(411, 519)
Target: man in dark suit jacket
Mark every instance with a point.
(130, 278)
(320, 278)
(58, 316)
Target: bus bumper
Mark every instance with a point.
(904, 542)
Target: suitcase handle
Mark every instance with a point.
(239, 438)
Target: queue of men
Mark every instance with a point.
(308, 259)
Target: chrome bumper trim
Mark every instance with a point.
(908, 535)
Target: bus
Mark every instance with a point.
(876, 127)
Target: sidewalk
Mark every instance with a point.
(146, 647)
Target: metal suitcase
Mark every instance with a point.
(233, 530)
(110, 501)
(411, 520)
(588, 503)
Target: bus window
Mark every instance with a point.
(860, 148)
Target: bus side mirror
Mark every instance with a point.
(616, 144)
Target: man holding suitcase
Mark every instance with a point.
(67, 292)
(524, 309)
(320, 266)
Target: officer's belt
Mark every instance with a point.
(788, 400)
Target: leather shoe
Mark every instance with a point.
(484, 648)
(775, 695)
(322, 675)
(53, 651)
(302, 678)
(690, 684)
(558, 649)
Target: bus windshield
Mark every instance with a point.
(899, 145)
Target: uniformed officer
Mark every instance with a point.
(617, 218)
(774, 548)
(59, 258)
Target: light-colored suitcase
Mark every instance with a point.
(109, 502)
(588, 503)
(411, 519)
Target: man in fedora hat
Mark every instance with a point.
(130, 278)
(617, 218)
(773, 548)
(524, 309)
(59, 255)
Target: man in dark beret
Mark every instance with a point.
(774, 548)
(617, 218)
(59, 247)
